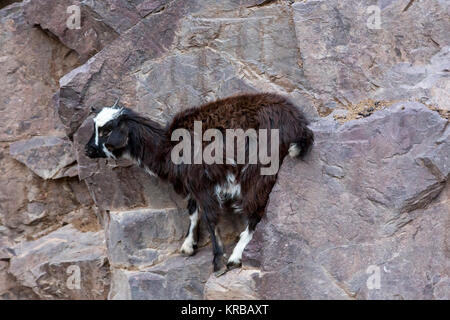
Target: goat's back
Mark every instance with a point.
(256, 111)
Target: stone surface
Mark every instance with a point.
(238, 284)
(5, 3)
(59, 18)
(10, 288)
(374, 192)
(177, 277)
(346, 61)
(31, 64)
(144, 237)
(355, 204)
(143, 250)
(65, 264)
(48, 157)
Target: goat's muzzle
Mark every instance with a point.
(93, 151)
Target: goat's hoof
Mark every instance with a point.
(187, 254)
(187, 251)
(233, 265)
(220, 272)
(188, 247)
(219, 264)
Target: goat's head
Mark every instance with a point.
(110, 136)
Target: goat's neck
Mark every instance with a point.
(148, 147)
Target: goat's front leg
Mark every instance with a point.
(218, 260)
(246, 236)
(191, 240)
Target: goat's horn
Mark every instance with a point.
(117, 101)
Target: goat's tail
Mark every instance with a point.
(303, 143)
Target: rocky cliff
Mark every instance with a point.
(365, 216)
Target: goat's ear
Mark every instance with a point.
(116, 103)
(94, 110)
(118, 138)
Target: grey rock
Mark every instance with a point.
(325, 234)
(95, 30)
(238, 284)
(177, 277)
(6, 249)
(65, 264)
(31, 64)
(144, 237)
(9, 287)
(47, 156)
(347, 58)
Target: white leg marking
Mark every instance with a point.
(188, 244)
(244, 239)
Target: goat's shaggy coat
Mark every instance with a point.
(213, 189)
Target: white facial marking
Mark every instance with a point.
(188, 244)
(294, 150)
(96, 134)
(244, 239)
(107, 114)
(103, 117)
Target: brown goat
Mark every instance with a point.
(216, 188)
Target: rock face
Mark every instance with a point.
(63, 19)
(31, 207)
(354, 207)
(48, 157)
(176, 278)
(365, 216)
(65, 264)
(143, 237)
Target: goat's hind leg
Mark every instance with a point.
(235, 260)
(218, 260)
(191, 240)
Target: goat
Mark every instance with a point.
(212, 189)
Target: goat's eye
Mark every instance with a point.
(105, 132)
